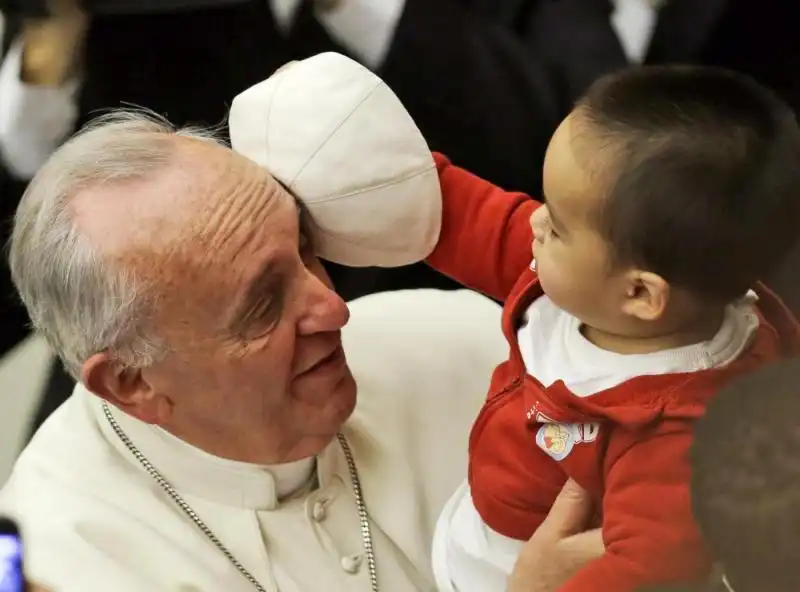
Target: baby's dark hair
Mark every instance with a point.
(704, 185)
(746, 479)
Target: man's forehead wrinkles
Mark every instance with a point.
(264, 272)
(240, 209)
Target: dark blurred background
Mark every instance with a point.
(487, 81)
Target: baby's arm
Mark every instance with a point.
(485, 240)
(648, 529)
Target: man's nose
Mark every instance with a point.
(324, 309)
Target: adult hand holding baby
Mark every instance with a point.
(343, 144)
(560, 546)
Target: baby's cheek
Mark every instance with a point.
(551, 269)
(543, 263)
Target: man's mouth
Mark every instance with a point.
(331, 358)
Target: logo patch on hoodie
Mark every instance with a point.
(558, 439)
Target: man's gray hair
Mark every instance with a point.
(81, 302)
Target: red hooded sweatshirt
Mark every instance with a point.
(626, 445)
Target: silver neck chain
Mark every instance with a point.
(363, 518)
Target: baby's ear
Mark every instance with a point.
(648, 296)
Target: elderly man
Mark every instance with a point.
(212, 443)
(209, 446)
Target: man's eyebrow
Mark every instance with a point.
(265, 289)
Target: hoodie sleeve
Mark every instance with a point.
(485, 240)
(648, 529)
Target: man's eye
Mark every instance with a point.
(261, 320)
(261, 327)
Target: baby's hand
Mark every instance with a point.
(560, 546)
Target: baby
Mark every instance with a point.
(631, 297)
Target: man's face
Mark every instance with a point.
(255, 370)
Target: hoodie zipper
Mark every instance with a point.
(490, 405)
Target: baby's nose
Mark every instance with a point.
(539, 223)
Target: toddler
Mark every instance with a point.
(631, 296)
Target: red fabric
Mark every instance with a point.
(626, 445)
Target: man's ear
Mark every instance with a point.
(647, 297)
(125, 388)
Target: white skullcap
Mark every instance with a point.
(339, 139)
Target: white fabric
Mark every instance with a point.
(553, 348)
(365, 27)
(284, 12)
(634, 22)
(252, 485)
(92, 518)
(340, 140)
(35, 120)
(468, 556)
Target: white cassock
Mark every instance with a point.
(94, 520)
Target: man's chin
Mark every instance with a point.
(330, 418)
(331, 395)
(346, 395)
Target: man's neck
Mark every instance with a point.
(290, 475)
(194, 471)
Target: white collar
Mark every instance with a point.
(195, 472)
(285, 12)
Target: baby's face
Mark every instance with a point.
(572, 258)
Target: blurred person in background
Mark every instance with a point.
(486, 80)
(746, 480)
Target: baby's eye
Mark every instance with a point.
(551, 232)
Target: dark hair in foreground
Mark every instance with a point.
(704, 186)
(746, 479)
